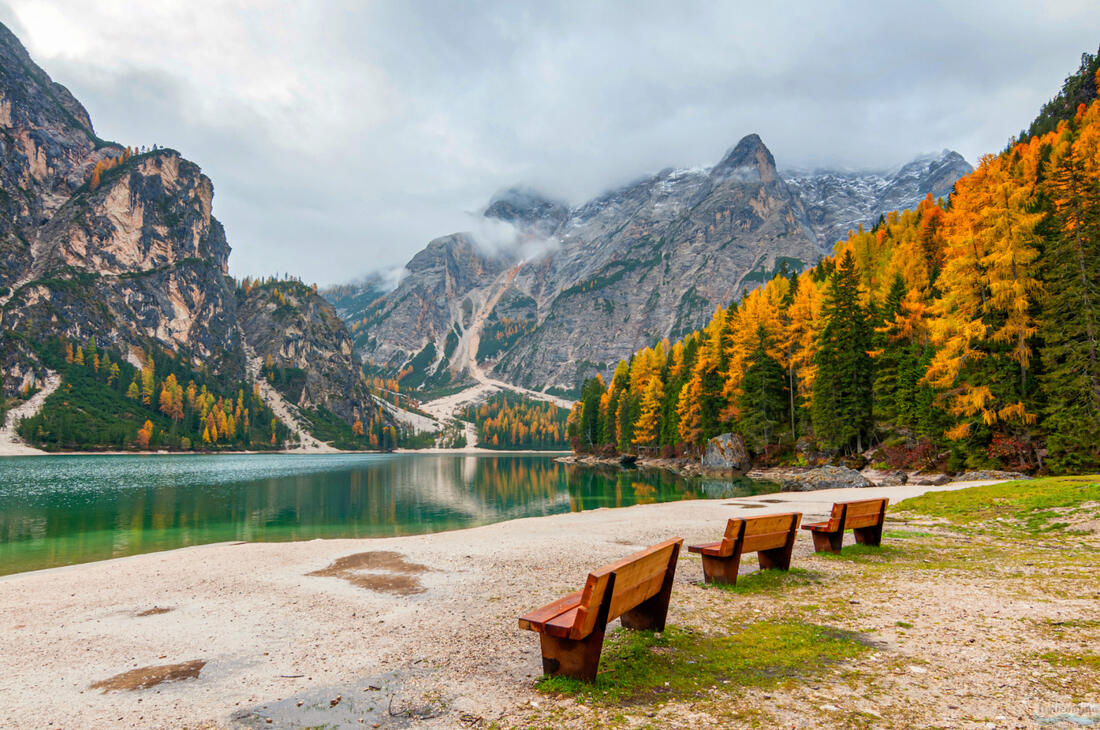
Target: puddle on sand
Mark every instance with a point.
(145, 677)
(384, 571)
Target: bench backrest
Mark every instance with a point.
(765, 532)
(637, 577)
(865, 513)
(858, 513)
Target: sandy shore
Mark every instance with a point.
(430, 616)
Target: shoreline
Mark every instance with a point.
(285, 452)
(317, 619)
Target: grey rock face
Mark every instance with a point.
(893, 479)
(445, 283)
(825, 477)
(838, 201)
(726, 454)
(303, 331)
(988, 475)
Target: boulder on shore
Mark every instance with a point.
(726, 455)
(989, 475)
(825, 477)
(892, 478)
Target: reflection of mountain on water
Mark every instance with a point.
(121, 505)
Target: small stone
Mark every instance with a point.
(917, 670)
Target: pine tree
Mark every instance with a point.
(1071, 305)
(590, 412)
(763, 399)
(843, 386)
(889, 349)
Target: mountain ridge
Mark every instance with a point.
(692, 238)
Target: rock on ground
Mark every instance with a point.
(726, 454)
(826, 477)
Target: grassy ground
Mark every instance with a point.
(981, 609)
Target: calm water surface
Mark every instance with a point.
(60, 510)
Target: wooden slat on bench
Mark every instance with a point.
(562, 625)
(766, 541)
(709, 548)
(768, 523)
(536, 620)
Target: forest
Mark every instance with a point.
(105, 402)
(962, 334)
(510, 421)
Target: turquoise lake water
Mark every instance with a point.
(61, 510)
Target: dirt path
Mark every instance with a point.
(466, 359)
(10, 442)
(416, 421)
(331, 631)
(283, 409)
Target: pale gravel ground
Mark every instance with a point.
(251, 612)
(10, 442)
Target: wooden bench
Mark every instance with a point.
(635, 590)
(863, 517)
(771, 537)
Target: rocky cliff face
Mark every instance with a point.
(290, 326)
(584, 287)
(133, 255)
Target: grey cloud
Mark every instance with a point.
(342, 136)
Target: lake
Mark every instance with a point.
(61, 510)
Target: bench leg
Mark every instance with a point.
(649, 615)
(721, 570)
(868, 535)
(828, 542)
(775, 559)
(577, 658)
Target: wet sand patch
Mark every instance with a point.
(145, 677)
(384, 571)
(154, 611)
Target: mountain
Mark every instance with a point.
(582, 287)
(290, 329)
(102, 241)
(838, 201)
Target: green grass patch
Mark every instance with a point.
(1031, 507)
(905, 534)
(643, 667)
(865, 553)
(768, 581)
(1074, 661)
(903, 624)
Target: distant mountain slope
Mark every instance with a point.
(839, 201)
(586, 286)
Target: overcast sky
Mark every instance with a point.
(342, 136)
